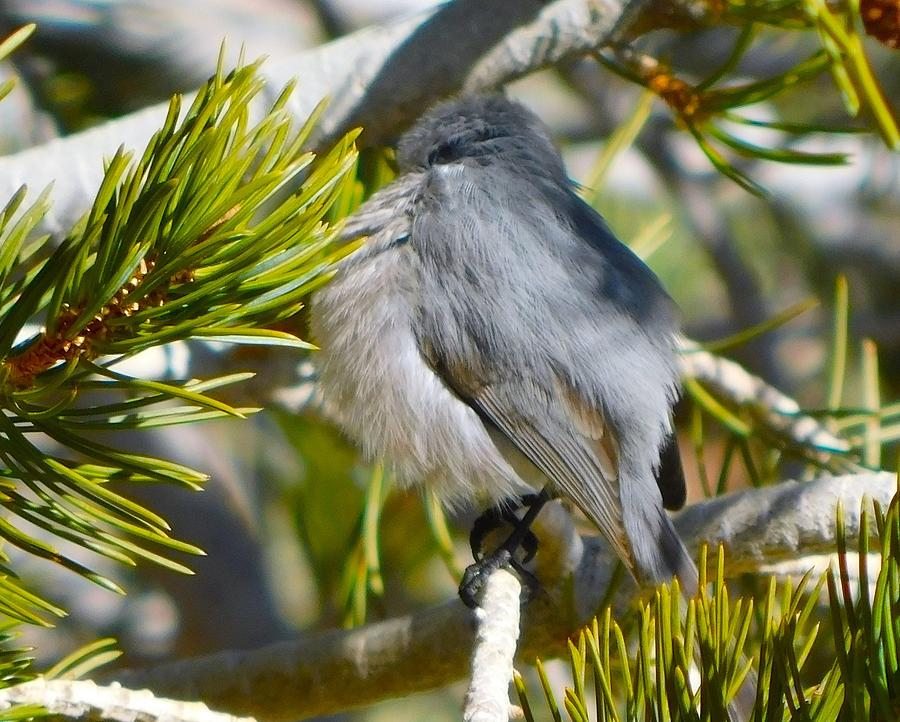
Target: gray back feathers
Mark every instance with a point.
(492, 322)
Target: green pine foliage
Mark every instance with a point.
(217, 231)
(713, 109)
(648, 671)
(7, 46)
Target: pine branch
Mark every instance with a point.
(197, 238)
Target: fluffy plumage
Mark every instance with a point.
(492, 335)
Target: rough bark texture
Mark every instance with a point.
(379, 78)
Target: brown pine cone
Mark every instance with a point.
(881, 19)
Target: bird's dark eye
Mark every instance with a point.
(446, 152)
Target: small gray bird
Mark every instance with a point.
(492, 337)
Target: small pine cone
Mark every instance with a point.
(676, 93)
(881, 19)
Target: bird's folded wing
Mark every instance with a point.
(573, 447)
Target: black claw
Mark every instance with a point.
(475, 576)
(529, 546)
(473, 581)
(489, 521)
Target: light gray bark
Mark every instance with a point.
(86, 700)
(379, 78)
(497, 623)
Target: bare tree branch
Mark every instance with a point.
(85, 700)
(337, 670)
(779, 412)
(379, 78)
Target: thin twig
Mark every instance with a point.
(85, 700)
(497, 632)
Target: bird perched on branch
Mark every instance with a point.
(492, 338)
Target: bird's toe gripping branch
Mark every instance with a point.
(507, 554)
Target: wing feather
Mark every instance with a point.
(564, 458)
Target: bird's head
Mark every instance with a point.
(480, 130)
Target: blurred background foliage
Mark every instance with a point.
(759, 218)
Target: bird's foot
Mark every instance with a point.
(521, 538)
(499, 516)
(476, 575)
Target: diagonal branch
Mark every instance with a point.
(86, 700)
(380, 78)
(779, 413)
(336, 670)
